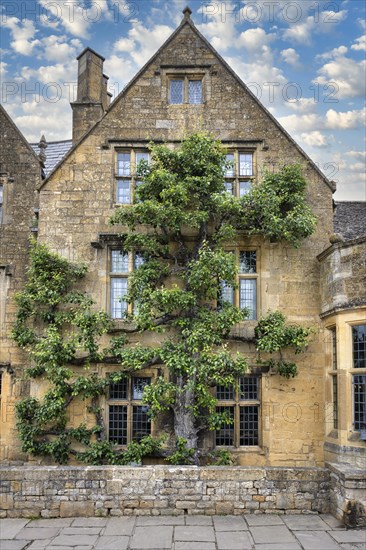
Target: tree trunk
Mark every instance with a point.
(184, 421)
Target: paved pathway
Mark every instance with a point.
(250, 532)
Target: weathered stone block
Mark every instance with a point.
(76, 509)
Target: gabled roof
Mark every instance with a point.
(22, 138)
(55, 152)
(187, 21)
(350, 219)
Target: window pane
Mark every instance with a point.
(249, 425)
(118, 390)
(119, 261)
(225, 435)
(248, 296)
(359, 401)
(230, 170)
(245, 164)
(138, 385)
(138, 260)
(176, 91)
(226, 294)
(123, 192)
(118, 424)
(1, 194)
(124, 164)
(141, 424)
(225, 394)
(229, 187)
(248, 388)
(195, 91)
(247, 262)
(359, 346)
(244, 188)
(333, 332)
(118, 304)
(142, 155)
(335, 401)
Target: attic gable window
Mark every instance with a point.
(185, 89)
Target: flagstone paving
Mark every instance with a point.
(249, 532)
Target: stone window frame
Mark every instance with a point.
(186, 74)
(333, 374)
(185, 79)
(130, 175)
(346, 432)
(241, 276)
(358, 372)
(233, 176)
(238, 404)
(134, 259)
(130, 402)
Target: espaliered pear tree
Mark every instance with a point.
(182, 223)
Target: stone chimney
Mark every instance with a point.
(92, 96)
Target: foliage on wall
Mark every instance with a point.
(188, 220)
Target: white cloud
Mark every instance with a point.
(360, 43)
(219, 26)
(60, 48)
(336, 52)
(332, 120)
(3, 66)
(303, 105)
(362, 23)
(264, 79)
(291, 57)
(357, 154)
(22, 33)
(75, 17)
(120, 71)
(300, 123)
(346, 74)
(142, 42)
(124, 45)
(346, 120)
(316, 139)
(357, 167)
(322, 23)
(254, 40)
(36, 118)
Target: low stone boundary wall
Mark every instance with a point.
(53, 491)
(348, 494)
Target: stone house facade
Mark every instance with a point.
(187, 86)
(20, 174)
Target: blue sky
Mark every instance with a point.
(304, 59)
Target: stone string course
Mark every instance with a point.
(51, 491)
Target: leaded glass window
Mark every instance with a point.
(359, 346)
(129, 419)
(194, 91)
(176, 91)
(359, 401)
(240, 403)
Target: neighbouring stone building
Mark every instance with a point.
(302, 422)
